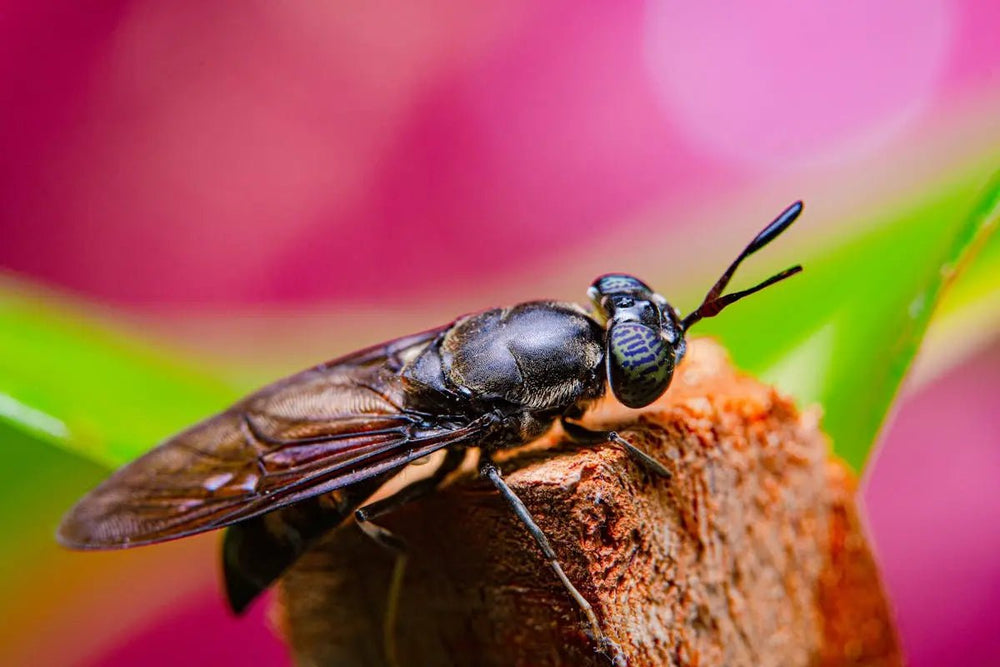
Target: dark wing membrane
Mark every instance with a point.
(334, 425)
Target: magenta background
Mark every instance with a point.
(170, 155)
(933, 506)
(147, 140)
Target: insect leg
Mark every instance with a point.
(489, 470)
(452, 460)
(257, 551)
(395, 544)
(582, 434)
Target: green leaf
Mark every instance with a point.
(968, 317)
(844, 333)
(69, 382)
(37, 484)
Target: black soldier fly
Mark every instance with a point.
(293, 460)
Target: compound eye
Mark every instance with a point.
(640, 363)
(620, 283)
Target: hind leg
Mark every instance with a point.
(395, 544)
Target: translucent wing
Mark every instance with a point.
(334, 425)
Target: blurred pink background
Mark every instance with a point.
(204, 159)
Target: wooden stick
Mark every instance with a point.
(749, 554)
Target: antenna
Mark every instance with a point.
(713, 303)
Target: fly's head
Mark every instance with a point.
(644, 339)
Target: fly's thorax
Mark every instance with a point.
(541, 355)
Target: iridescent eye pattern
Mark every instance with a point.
(612, 283)
(640, 363)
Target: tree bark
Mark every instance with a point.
(750, 554)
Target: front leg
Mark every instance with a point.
(489, 470)
(584, 435)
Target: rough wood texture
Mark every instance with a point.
(751, 554)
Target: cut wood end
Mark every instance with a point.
(751, 554)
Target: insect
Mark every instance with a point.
(289, 462)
